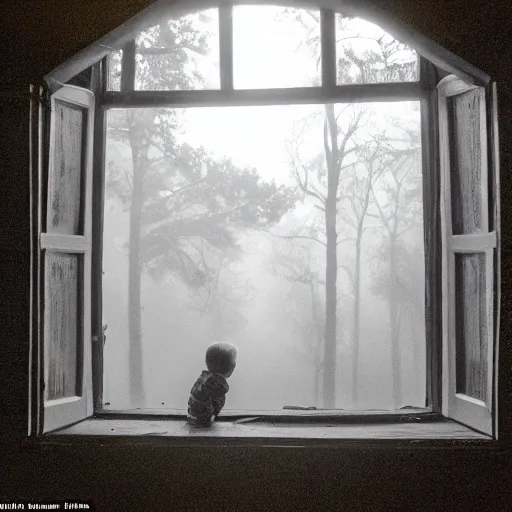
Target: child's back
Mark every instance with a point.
(207, 398)
(208, 394)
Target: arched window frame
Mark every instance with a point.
(435, 63)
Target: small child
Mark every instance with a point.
(208, 394)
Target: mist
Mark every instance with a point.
(267, 295)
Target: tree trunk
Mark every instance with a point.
(394, 330)
(330, 308)
(318, 377)
(331, 268)
(314, 314)
(417, 320)
(356, 325)
(137, 396)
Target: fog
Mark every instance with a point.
(258, 303)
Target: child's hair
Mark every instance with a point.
(220, 357)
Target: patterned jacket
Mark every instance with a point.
(207, 398)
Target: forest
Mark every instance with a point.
(294, 232)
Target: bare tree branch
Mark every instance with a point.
(304, 185)
(294, 236)
(353, 127)
(351, 239)
(382, 216)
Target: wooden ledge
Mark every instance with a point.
(262, 431)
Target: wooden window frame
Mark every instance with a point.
(422, 90)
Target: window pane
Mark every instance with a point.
(366, 54)
(275, 47)
(465, 162)
(471, 325)
(65, 203)
(230, 251)
(63, 318)
(179, 54)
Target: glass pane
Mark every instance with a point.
(275, 47)
(230, 251)
(471, 325)
(179, 54)
(63, 318)
(366, 54)
(465, 162)
(65, 203)
(114, 71)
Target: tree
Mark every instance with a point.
(226, 297)
(178, 196)
(195, 211)
(408, 292)
(320, 180)
(398, 212)
(293, 259)
(361, 59)
(357, 193)
(164, 51)
(378, 58)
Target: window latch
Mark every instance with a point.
(95, 339)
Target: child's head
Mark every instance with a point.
(221, 359)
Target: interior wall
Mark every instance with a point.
(40, 34)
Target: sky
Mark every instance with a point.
(269, 51)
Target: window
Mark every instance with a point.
(268, 176)
(275, 47)
(244, 277)
(367, 54)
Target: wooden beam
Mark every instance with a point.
(427, 74)
(128, 67)
(334, 415)
(264, 432)
(495, 224)
(226, 47)
(432, 238)
(99, 84)
(300, 95)
(37, 123)
(328, 46)
(153, 14)
(44, 167)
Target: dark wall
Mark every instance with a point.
(37, 35)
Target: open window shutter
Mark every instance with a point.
(66, 245)
(468, 254)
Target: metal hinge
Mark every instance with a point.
(43, 95)
(39, 94)
(95, 339)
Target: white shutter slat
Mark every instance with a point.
(472, 243)
(67, 261)
(65, 243)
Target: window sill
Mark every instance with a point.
(178, 432)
